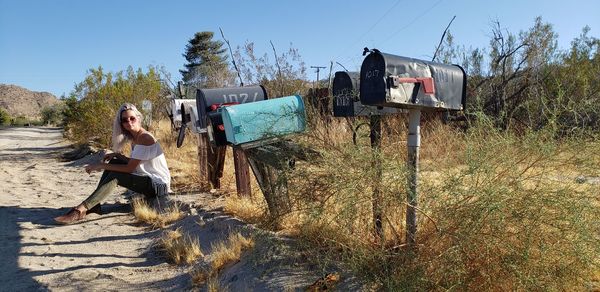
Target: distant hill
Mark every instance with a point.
(19, 101)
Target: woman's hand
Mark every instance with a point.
(93, 167)
(109, 156)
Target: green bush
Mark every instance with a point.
(53, 115)
(19, 121)
(4, 117)
(90, 109)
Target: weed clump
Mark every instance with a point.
(179, 248)
(223, 253)
(147, 214)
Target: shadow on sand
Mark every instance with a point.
(14, 276)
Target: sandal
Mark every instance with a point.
(72, 216)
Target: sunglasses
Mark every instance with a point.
(128, 119)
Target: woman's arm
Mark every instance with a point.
(145, 139)
(119, 156)
(126, 168)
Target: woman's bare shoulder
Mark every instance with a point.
(146, 139)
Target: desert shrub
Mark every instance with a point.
(24, 121)
(498, 211)
(53, 115)
(91, 106)
(4, 117)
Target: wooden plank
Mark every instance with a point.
(242, 172)
(211, 160)
(203, 145)
(273, 183)
(271, 164)
(216, 162)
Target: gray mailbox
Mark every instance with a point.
(400, 82)
(208, 101)
(346, 101)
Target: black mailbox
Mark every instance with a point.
(400, 82)
(346, 101)
(208, 101)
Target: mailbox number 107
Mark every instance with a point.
(239, 98)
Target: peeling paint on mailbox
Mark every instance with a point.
(262, 120)
(208, 101)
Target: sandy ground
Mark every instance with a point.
(112, 252)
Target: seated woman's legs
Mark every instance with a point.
(108, 182)
(137, 183)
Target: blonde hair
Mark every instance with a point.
(120, 136)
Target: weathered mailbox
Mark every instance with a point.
(393, 81)
(346, 101)
(263, 120)
(208, 101)
(176, 109)
(189, 117)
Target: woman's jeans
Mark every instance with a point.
(110, 179)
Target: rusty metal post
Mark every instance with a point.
(414, 142)
(242, 172)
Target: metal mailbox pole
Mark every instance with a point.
(414, 142)
(388, 80)
(376, 164)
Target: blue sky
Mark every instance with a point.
(48, 45)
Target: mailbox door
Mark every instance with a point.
(189, 116)
(373, 87)
(346, 102)
(345, 93)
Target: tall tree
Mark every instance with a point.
(207, 62)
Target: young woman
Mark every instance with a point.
(145, 172)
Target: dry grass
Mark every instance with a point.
(199, 276)
(183, 162)
(179, 248)
(229, 251)
(143, 212)
(210, 279)
(213, 285)
(146, 214)
(497, 210)
(223, 253)
(250, 209)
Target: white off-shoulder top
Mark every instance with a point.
(153, 164)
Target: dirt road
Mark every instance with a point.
(107, 252)
(112, 252)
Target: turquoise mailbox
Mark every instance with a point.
(263, 120)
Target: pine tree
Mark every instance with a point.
(207, 62)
